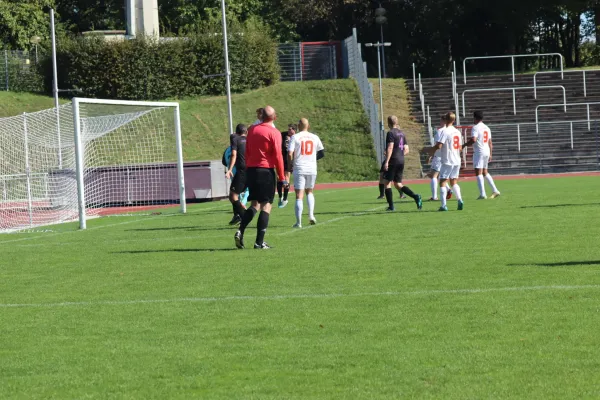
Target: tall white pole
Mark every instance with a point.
(55, 86)
(79, 164)
(131, 28)
(380, 84)
(180, 173)
(227, 70)
(27, 169)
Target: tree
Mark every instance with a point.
(22, 19)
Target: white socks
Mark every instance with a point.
(434, 186)
(299, 208)
(443, 194)
(490, 181)
(456, 190)
(481, 185)
(310, 199)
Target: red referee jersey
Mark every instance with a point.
(263, 148)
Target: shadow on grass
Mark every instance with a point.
(173, 251)
(198, 229)
(367, 213)
(563, 205)
(558, 264)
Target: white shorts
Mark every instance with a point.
(449, 171)
(302, 181)
(436, 164)
(480, 161)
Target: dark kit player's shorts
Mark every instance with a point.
(394, 173)
(238, 183)
(261, 183)
(382, 170)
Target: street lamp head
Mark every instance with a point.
(35, 40)
(380, 12)
(368, 44)
(380, 20)
(387, 44)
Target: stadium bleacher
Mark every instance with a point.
(560, 142)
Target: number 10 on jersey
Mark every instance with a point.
(307, 148)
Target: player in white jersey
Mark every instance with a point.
(450, 145)
(481, 139)
(304, 150)
(436, 164)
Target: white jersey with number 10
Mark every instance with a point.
(305, 146)
(482, 135)
(451, 140)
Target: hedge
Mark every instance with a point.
(147, 69)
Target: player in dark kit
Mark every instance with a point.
(393, 166)
(238, 183)
(263, 157)
(282, 192)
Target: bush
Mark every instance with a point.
(146, 69)
(22, 75)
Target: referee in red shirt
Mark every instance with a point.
(263, 156)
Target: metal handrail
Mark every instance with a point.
(571, 104)
(514, 95)
(512, 58)
(565, 72)
(414, 77)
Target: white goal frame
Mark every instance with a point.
(79, 151)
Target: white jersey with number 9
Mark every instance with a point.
(305, 146)
(482, 135)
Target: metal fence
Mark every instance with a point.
(357, 69)
(18, 71)
(308, 61)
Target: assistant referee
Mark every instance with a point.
(263, 156)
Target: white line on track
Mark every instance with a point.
(297, 296)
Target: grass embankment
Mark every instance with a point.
(396, 102)
(332, 107)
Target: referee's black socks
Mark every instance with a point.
(409, 192)
(238, 208)
(247, 218)
(285, 193)
(280, 189)
(389, 197)
(381, 189)
(261, 227)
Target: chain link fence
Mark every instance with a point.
(357, 69)
(308, 61)
(19, 72)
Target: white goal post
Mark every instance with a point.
(89, 158)
(81, 138)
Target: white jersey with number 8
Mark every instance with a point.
(451, 140)
(482, 135)
(305, 146)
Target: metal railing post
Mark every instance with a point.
(584, 85)
(453, 92)
(571, 135)
(465, 70)
(588, 117)
(514, 101)
(534, 86)
(455, 76)
(414, 76)
(519, 137)
(512, 60)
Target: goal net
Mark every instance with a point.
(88, 158)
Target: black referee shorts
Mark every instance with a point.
(261, 183)
(238, 183)
(394, 173)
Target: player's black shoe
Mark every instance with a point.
(239, 240)
(390, 209)
(235, 220)
(381, 197)
(263, 246)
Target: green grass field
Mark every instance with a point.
(498, 301)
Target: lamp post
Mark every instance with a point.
(380, 47)
(381, 19)
(227, 70)
(35, 40)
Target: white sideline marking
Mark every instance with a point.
(295, 296)
(329, 221)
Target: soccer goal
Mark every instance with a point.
(89, 158)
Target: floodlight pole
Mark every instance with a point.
(380, 46)
(55, 86)
(227, 70)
